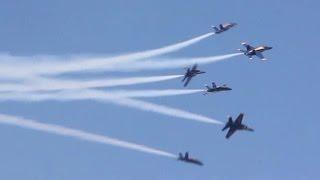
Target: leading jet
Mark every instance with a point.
(216, 88)
(236, 125)
(223, 27)
(190, 74)
(254, 51)
(187, 159)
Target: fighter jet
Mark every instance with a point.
(216, 88)
(186, 159)
(190, 74)
(236, 125)
(223, 27)
(254, 51)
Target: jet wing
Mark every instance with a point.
(187, 81)
(238, 121)
(184, 78)
(226, 126)
(230, 132)
(260, 55)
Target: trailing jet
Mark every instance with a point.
(216, 88)
(254, 51)
(190, 74)
(236, 125)
(187, 159)
(223, 27)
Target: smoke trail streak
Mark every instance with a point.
(39, 84)
(18, 69)
(153, 93)
(169, 63)
(105, 97)
(79, 134)
(94, 64)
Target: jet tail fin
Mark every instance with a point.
(186, 156)
(214, 85)
(215, 28)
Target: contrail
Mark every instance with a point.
(79, 134)
(18, 69)
(42, 84)
(170, 63)
(106, 97)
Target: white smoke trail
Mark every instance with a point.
(41, 84)
(79, 134)
(106, 97)
(153, 93)
(165, 110)
(169, 63)
(27, 68)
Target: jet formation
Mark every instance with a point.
(232, 126)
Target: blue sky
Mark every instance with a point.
(279, 97)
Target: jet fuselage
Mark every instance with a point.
(223, 27)
(218, 89)
(258, 49)
(193, 73)
(189, 160)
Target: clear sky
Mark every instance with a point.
(280, 98)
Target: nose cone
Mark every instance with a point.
(268, 48)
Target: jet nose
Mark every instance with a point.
(269, 47)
